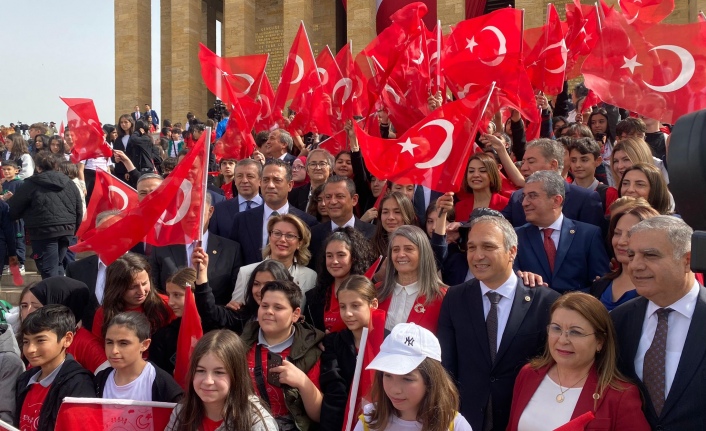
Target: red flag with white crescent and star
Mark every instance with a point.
(434, 152)
(642, 14)
(267, 119)
(299, 63)
(86, 130)
(190, 332)
(659, 74)
(109, 193)
(237, 142)
(546, 62)
(244, 73)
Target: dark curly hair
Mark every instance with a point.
(361, 254)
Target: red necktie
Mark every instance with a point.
(549, 247)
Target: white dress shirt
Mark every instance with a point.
(243, 203)
(403, 298)
(556, 235)
(507, 295)
(678, 321)
(190, 248)
(349, 223)
(266, 217)
(100, 281)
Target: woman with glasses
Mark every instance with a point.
(319, 165)
(288, 243)
(577, 374)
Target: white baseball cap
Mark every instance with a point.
(405, 348)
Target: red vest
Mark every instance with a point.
(424, 315)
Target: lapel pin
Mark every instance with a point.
(214, 252)
(419, 308)
(572, 231)
(527, 298)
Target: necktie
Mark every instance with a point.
(491, 324)
(248, 205)
(549, 247)
(274, 214)
(653, 373)
(419, 204)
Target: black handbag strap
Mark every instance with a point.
(259, 378)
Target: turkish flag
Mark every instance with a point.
(546, 62)
(112, 415)
(370, 272)
(435, 48)
(323, 61)
(387, 8)
(267, 118)
(658, 74)
(190, 332)
(591, 100)
(299, 63)
(434, 152)
(577, 424)
(237, 141)
(244, 74)
(643, 14)
(582, 33)
(86, 130)
(117, 235)
(109, 193)
(180, 222)
(61, 129)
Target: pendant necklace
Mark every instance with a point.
(560, 396)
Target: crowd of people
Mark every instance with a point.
(554, 287)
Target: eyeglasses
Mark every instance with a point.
(319, 165)
(297, 167)
(572, 334)
(289, 237)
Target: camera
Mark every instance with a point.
(217, 112)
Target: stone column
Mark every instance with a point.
(450, 12)
(294, 12)
(188, 93)
(361, 23)
(133, 55)
(535, 11)
(208, 38)
(165, 19)
(239, 24)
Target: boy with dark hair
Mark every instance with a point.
(10, 183)
(227, 168)
(585, 158)
(54, 375)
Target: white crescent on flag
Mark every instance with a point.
(503, 46)
(688, 67)
(347, 85)
(248, 78)
(120, 193)
(185, 187)
(300, 69)
(445, 148)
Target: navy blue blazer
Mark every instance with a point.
(684, 407)
(579, 204)
(247, 231)
(322, 230)
(465, 351)
(222, 218)
(580, 257)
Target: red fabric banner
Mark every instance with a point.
(244, 74)
(109, 193)
(190, 332)
(86, 130)
(97, 414)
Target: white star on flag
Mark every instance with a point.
(471, 43)
(407, 146)
(630, 63)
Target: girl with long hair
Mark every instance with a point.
(643, 180)
(128, 288)
(395, 210)
(17, 150)
(220, 395)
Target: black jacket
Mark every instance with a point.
(143, 154)
(337, 369)
(50, 204)
(72, 381)
(164, 388)
(162, 350)
(217, 316)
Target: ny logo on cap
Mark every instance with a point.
(409, 341)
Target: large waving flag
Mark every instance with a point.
(86, 130)
(299, 63)
(112, 415)
(237, 141)
(268, 118)
(546, 63)
(109, 193)
(244, 74)
(190, 332)
(643, 14)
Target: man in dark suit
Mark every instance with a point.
(152, 113)
(319, 165)
(340, 197)
(248, 174)
(250, 227)
(223, 265)
(491, 326)
(580, 204)
(568, 254)
(136, 115)
(279, 144)
(660, 333)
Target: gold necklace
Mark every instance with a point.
(560, 396)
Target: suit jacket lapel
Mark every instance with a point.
(535, 239)
(568, 232)
(477, 317)
(633, 332)
(519, 309)
(254, 225)
(692, 354)
(179, 255)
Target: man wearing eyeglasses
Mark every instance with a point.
(491, 325)
(318, 166)
(250, 227)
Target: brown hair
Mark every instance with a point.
(239, 410)
(185, 277)
(380, 239)
(361, 285)
(658, 196)
(437, 409)
(595, 312)
(118, 278)
(491, 166)
(302, 253)
(639, 208)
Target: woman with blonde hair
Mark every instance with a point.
(288, 243)
(630, 151)
(577, 374)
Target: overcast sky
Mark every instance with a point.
(53, 48)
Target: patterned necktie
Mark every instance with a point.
(549, 247)
(653, 371)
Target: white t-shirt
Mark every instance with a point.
(139, 389)
(535, 417)
(397, 424)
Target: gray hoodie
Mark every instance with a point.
(11, 367)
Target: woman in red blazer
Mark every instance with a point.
(577, 375)
(484, 184)
(412, 291)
